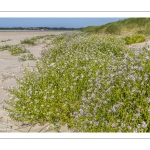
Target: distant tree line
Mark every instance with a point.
(39, 28)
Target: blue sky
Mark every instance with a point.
(54, 22)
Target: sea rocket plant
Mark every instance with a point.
(92, 83)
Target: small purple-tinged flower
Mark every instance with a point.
(129, 127)
(81, 112)
(113, 125)
(135, 130)
(137, 115)
(144, 125)
(96, 123)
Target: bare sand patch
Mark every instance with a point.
(14, 37)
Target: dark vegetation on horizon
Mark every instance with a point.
(126, 26)
(39, 28)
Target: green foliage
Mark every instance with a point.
(145, 31)
(91, 83)
(135, 22)
(14, 49)
(134, 39)
(29, 41)
(26, 57)
(91, 29)
(130, 25)
(113, 29)
(32, 41)
(6, 47)
(49, 37)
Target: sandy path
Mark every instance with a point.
(10, 67)
(141, 45)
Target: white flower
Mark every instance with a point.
(148, 99)
(82, 75)
(64, 89)
(52, 96)
(71, 87)
(83, 99)
(147, 57)
(52, 64)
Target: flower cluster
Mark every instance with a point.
(92, 83)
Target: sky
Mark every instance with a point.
(55, 22)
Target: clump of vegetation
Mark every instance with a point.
(5, 47)
(29, 41)
(17, 50)
(49, 37)
(27, 57)
(32, 41)
(113, 29)
(91, 83)
(134, 39)
(5, 40)
(58, 39)
(14, 49)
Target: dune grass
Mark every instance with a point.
(126, 26)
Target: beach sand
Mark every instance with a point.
(10, 66)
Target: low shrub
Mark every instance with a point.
(134, 39)
(29, 41)
(14, 49)
(26, 57)
(89, 83)
(5, 47)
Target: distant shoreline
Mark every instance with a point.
(34, 30)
